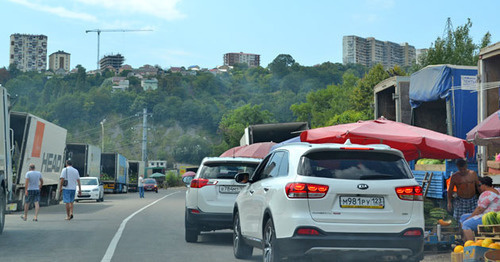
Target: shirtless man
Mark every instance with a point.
(467, 184)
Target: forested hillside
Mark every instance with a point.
(186, 110)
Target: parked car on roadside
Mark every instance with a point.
(92, 189)
(211, 194)
(351, 202)
(150, 184)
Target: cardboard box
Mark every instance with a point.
(475, 253)
(457, 257)
(493, 164)
(436, 167)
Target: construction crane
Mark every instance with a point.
(98, 31)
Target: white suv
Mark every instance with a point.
(211, 195)
(343, 201)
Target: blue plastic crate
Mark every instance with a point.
(437, 187)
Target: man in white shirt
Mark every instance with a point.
(33, 184)
(140, 185)
(68, 192)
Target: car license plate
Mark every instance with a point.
(361, 202)
(229, 189)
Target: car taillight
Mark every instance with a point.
(416, 232)
(201, 182)
(307, 232)
(410, 193)
(305, 190)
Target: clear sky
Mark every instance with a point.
(199, 32)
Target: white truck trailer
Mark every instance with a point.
(42, 143)
(5, 155)
(488, 94)
(86, 159)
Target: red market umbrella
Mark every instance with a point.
(257, 150)
(414, 142)
(487, 132)
(189, 173)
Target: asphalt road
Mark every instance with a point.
(122, 228)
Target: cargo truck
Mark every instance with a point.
(5, 155)
(135, 169)
(277, 132)
(114, 173)
(391, 99)
(42, 143)
(86, 158)
(443, 98)
(488, 99)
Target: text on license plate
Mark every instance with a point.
(361, 202)
(229, 189)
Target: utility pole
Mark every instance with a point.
(145, 135)
(98, 31)
(102, 134)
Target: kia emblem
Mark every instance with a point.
(363, 186)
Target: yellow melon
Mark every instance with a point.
(468, 243)
(487, 242)
(458, 249)
(494, 246)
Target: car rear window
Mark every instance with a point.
(355, 165)
(226, 170)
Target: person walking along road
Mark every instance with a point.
(71, 175)
(140, 185)
(34, 183)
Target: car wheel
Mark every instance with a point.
(191, 232)
(241, 249)
(77, 201)
(270, 252)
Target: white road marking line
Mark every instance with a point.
(114, 242)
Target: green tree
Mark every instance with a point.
(324, 104)
(456, 48)
(234, 122)
(189, 149)
(362, 95)
(280, 66)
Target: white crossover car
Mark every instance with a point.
(336, 201)
(92, 189)
(212, 192)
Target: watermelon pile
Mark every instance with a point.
(491, 218)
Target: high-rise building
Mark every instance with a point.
(28, 52)
(370, 51)
(59, 60)
(114, 61)
(232, 59)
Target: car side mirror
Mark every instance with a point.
(187, 180)
(242, 178)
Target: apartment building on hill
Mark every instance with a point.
(28, 52)
(231, 59)
(370, 51)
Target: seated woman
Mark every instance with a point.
(489, 200)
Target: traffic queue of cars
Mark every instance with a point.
(309, 201)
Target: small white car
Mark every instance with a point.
(343, 201)
(212, 192)
(92, 189)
